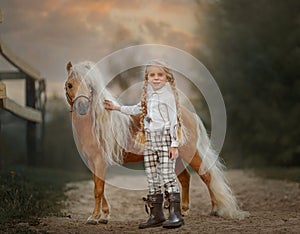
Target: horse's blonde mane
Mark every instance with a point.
(111, 129)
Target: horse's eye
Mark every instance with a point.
(70, 85)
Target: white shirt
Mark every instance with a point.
(161, 112)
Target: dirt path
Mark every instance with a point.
(274, 207)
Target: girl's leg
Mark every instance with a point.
(154, 199)
(168, 175)
(167, 166)
(151, 166)
(173, 198)
(171, 186)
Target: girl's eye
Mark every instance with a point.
(160, 74)
(151, 74)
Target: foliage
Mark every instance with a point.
(27, 194)
(22, 199)
(255, 58)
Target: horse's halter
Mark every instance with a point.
(72, 101)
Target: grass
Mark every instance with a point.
(279, 173)
(26, 194)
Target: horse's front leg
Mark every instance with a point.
(184, 178)
(101, 209)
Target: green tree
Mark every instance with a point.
(255, 54)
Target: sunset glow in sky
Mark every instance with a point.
(49, 33)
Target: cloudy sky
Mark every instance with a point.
(49, 33)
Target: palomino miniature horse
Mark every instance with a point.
(95, 133)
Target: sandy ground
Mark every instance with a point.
(274, 207)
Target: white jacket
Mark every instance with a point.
(161, 112)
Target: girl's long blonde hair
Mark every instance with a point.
(140, 137)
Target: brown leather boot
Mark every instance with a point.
(175, 219)
(156, 218)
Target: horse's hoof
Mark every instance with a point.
(94, 221)
(103, 221)
(185, 212)
(214, 213)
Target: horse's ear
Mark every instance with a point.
(69, 65)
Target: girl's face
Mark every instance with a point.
(157, 77)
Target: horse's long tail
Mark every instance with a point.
(226, 202)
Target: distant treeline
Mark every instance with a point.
(254, 55)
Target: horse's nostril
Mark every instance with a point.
(70, 85)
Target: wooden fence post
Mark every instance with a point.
(31, 133)
(2, 95)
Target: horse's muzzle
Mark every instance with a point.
(82, 106)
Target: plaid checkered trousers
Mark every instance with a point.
(159, 167)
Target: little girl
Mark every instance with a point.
(160, 119)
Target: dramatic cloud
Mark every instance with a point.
(49, 33)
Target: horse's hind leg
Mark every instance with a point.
(184, 178)
(222, 199)
(195, 163)
(206, 177)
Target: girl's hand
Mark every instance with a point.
(173, 153)
(109, 105)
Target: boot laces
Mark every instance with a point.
(148, 203)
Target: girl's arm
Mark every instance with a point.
(128, 110)
(172, 112)
(173, 153)
(109, 105)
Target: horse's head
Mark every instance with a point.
(78, 93)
